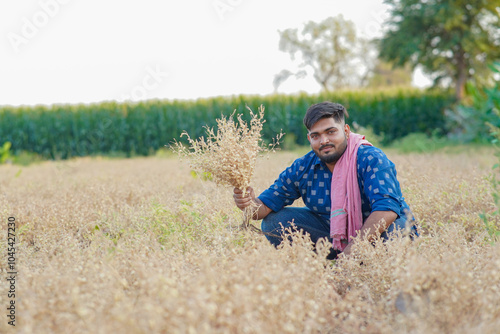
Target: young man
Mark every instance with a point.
(348, 186)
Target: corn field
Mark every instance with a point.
(130, 129)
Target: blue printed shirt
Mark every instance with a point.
(309, 178)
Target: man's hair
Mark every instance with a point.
(325, 110)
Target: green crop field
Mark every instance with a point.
(129, 129)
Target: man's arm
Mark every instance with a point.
(382, 190)
(376, 223)
(261, 210)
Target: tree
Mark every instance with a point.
(385, 75)
(454, 41)
(331, 49)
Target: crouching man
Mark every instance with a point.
(349, 188)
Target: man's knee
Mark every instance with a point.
(272, 231)
(272, 223)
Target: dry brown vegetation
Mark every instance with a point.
(228, 155)
(142, 246)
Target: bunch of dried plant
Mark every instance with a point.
(229, 154)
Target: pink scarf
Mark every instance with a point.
(346, 217)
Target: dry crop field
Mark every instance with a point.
(143, 246)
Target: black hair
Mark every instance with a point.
(325, 110)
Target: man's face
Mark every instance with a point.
(328, 139)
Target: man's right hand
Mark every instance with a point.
(243, 201)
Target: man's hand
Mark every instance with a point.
(376, 223)
(243, 202)
(347, 249)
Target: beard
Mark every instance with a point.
(334, 156)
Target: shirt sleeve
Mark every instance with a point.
(283, 192)
(379, 181)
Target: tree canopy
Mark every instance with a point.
(331, 48)
(454, 41)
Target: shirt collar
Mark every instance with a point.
(317, 161)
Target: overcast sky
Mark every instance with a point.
(82, 51)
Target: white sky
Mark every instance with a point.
(82, 51)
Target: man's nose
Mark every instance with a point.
(324, 139)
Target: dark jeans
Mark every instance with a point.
(308, 221)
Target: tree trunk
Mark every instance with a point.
(461, 76)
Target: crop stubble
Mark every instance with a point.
(141, 245)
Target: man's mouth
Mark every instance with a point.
(326, 147)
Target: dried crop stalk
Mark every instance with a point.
(229, 155)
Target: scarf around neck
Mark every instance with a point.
(346, 217)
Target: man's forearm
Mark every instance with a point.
(376, 223)
(262, 211)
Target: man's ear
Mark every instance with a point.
(309, 138)
(347, 129)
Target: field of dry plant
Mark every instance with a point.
(144, 246)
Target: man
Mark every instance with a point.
(348, 186)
